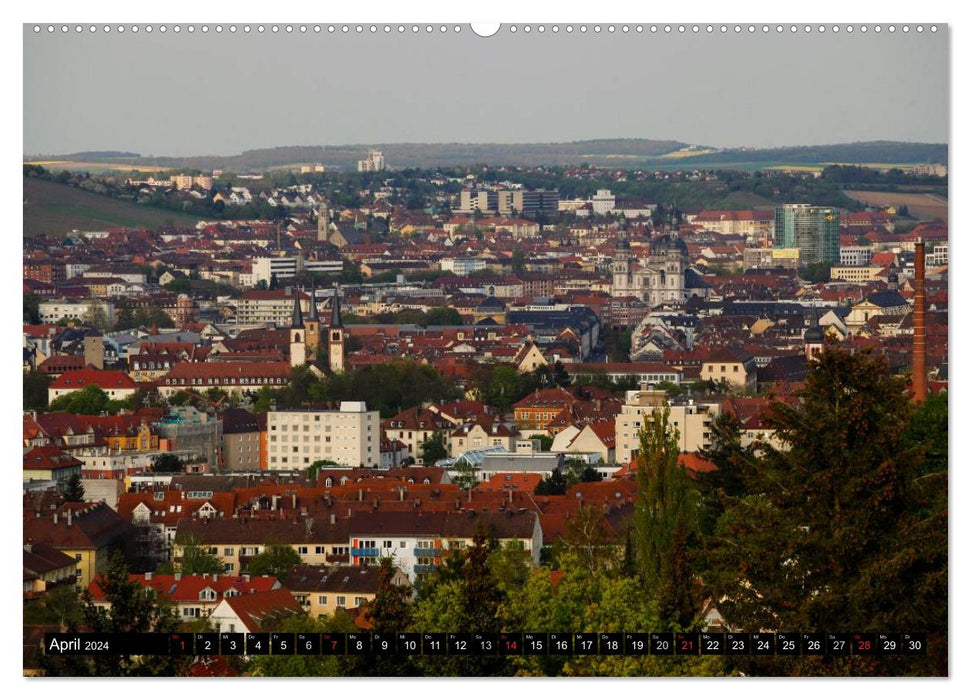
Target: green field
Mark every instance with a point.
(52, 208)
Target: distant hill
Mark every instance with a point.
(53, 208)
(860, 152)
(621, 153)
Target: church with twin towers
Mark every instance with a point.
(309, 341)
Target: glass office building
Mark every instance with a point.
(815, 231)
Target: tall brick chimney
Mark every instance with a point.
(920, 332)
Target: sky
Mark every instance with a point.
(193, 94)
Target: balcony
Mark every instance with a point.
(425, 568)
(364, 551)
(422, 552)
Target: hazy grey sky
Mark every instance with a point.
(192, 94)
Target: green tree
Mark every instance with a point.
(303, 665)
(179, 286)
(665, 520)
(89, 401)
(847, 527)
(31, 308)
(275, 560)
(195, 557)
(464, 595)
(504, 387)
(95, 315)
(35, 390)
(73, 489)
(132, 608)
(465, 475)
(443, 316)
(518, 260)
(167, 462)
(553, 485)
(817, 272)
(433, 448)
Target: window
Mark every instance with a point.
(301, 550)
(77, 557)
(341, 601)
(321, 600)
(358, 601)
(320, 550)
(228, 551)
(387, 544)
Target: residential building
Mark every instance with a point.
(235, 541)
(349, 436)
(194, 596)
(322, 590)
(692, 420)
(414, 426)
(258, 612)
(46, 568)
(86, 532)
(373, 163)
(54, 310)
(731, 365)
(50, 463)
(244, 440)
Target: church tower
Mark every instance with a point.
(814, 337)
(323, 223)
(335, 334)
(312, 325)
(298, 334)
(621, 266)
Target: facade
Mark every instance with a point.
(261, 307)
(693, 421)
(231, 377)
(603, 202)
(116, 384)
(194, 596)
(373, 163)
(190, 431)
(86, 532)
(732, 366)
(853, 256)
(54, 311)
(770, 258)
(234, 541)
(350, 436)
(815, 231)
(858, 274)
(243, 435)
(660, 278)
(322, 590)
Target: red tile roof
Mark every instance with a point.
(104, 379)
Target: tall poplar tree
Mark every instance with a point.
(665, 522)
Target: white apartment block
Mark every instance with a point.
(856, 255)
(462, 266)
(603, 202)
(350, 436)
(937, 255)
(53, 311)
(265, 268)
(693, 421)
